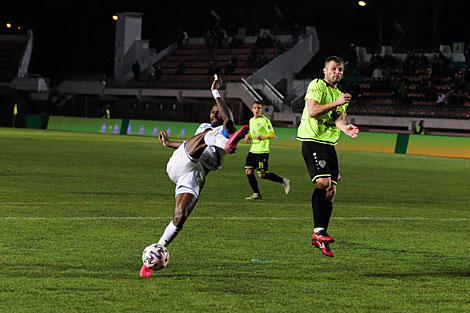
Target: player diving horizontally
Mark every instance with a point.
(194, 158)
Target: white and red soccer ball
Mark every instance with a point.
(155, 256)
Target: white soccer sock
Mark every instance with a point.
(171, 231)
(213, 138)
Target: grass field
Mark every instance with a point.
(76, 211)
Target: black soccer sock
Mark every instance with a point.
(273, 177)
(318, 207)
(328, 210)
(253, 183)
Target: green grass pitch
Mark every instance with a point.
(76, 211)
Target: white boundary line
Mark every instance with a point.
(261, 218)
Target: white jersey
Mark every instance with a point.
(212, 156)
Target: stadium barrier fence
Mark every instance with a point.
(442, 146)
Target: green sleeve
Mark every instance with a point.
(315, 90)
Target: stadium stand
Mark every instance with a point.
(415, 86)
(192, 65)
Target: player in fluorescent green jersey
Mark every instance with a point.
(261, 131)
(322, 121)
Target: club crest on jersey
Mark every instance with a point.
(259, 124)
(322, 163)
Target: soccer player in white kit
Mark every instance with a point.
(194, 158)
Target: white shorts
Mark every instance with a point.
(186, 173)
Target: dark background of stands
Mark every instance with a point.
(75, 40)
(78, 37)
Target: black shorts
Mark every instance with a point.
(257, 161)
(321, 160)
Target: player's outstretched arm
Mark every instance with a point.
(224, 110)
(163, 138)
(348, 129)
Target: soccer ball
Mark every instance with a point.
(155, 256)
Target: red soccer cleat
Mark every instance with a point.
(324, 248)
(322, 236)
(145, 271)
(235, 138)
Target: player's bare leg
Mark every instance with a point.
(184, 205)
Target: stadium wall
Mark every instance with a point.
(442, 146)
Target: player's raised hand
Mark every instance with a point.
(163, 137)
(217, 83)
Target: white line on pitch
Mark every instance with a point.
(78, 218)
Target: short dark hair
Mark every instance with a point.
(257, 102)
(335, 59)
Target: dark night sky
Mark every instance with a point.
(78, 37)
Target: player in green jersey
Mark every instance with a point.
(261, 131)
(322, 121)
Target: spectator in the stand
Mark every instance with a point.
(441, 98)
(467, 54)
(265, 40)
(375, 61)
(351, 60)
(423, 61)
(355, 90)
(389, 61)
(452, 99)
(458, 81)
(395, 87)
(252, 58)
(363, 69)
(410, 63)
(279, 47)
(229, 68)
(254, 53)
(181, 68)
(136, 70)
(403, 93)
(234, 60)
(295, 33)
(158, 73)
(466, 75)
(209, 45)
(377, 78)
(220, 37)
(213, 68)
(431, 92)
(262, 60)
(151, 74)
(182, 37)
(235, 42)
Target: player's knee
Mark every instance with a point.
(330, 194)
(261, 175)
(248, 171)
